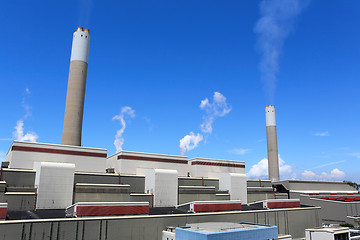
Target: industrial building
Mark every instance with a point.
(66, 191)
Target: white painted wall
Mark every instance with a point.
(235, 183)
(166, 235)
(129, 166)
(270, 115)
(26, 159)
(80, 46)
(163, 184)
(323, 233)
(54, 183)
(112, 162)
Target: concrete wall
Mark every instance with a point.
(101, 193)
(20, 201)
(313, 186)
(197, 193)
(142, 197)
(136, 182)
(255, 196)
(333, 211)
(289, 221)
(193, 181)
(259, 183)
(18, 178)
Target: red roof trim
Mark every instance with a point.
(218, 164)
(152, 159)
(57, 151)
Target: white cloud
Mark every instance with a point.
(273, 27)
(322, 134)
(355, 154)
(2, 157)
(189, 142)
(119, 140)
(239, 151)
(260, 170)
(218, 108)
(327, 164)
(335, 174)
(19, 133)
(309, 175)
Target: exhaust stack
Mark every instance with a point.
(75, 96)
(273, 161)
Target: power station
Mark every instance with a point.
(67, 191)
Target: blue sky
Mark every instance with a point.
(163, 59)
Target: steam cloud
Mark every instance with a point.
(85, 7)
(119, 140)
(189, 142)
(218, 108)
(18, 134)
(273, 27)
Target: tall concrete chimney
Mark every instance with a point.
(75, 96)
(273, 161)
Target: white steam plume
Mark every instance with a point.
(189, 142)
(273, 27)
(119, 140)
(85, 9)
(218, 108)
(18, 134)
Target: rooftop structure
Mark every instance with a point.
(327, 233)
(226, 230)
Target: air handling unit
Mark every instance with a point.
(75, 97)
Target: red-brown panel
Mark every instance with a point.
(3, 211)
(215, 207)
(283, 204)
(111, 210)
(152, 159)
(217, 164)
(58, 151)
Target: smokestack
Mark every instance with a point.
(75, 96)
(273, 161)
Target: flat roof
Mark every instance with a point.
(211, 227)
